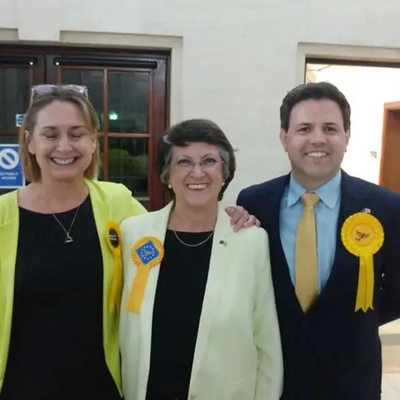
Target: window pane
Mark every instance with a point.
(127, 163)
(128, 101)
(93, 79)
(14, 95)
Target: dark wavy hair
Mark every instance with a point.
(314, 91)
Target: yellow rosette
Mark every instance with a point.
(113, 239)
(362, 235)
(147, 253)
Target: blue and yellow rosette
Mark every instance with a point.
(113, 238)
(146, 253)
(363, 235)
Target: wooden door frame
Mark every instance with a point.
(387, 109)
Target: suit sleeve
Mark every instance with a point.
(266, 329)
(390, 288)
(242, 199)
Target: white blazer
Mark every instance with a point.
(238, 352)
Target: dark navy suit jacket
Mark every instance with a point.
(333, 352)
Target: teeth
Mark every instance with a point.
(198, 186)
(63, 161)
(317, 154)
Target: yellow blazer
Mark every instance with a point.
(110, 202)
(238, 351)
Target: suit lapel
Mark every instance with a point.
(101, 213)
(352, 201)
(9, 226)
(158, 230)
(219, 267)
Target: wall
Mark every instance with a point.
(233, 61)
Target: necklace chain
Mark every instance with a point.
(68, 238)
(196, 244)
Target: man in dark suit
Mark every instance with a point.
(335, 253)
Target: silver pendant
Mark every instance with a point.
(68, 239)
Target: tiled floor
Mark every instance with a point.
(391, 387)
(390, 337)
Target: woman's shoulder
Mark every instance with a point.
(159, 218)
(145, 219)
(137, 220)
(252, 237)
(9, 197)
(110, 189)
(8, 206)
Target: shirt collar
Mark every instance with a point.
(328, 193)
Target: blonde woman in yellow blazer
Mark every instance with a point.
(49, 347)
(198, 317)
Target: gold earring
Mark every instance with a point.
(169, 186)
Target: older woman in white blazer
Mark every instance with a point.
(198, 317)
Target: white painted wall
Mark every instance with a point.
(233, 60)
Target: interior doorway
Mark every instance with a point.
(368, 86)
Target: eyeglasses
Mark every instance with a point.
(40, 90)
(205, 164)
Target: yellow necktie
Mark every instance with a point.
(306, 276)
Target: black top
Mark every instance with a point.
(56, 349)
(176, 316)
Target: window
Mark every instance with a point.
(128, 91)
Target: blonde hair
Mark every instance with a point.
(30, 166)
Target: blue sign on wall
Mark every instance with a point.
(11, 175)
(19, 119)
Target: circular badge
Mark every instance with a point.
(362, 234)
(113, 237)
